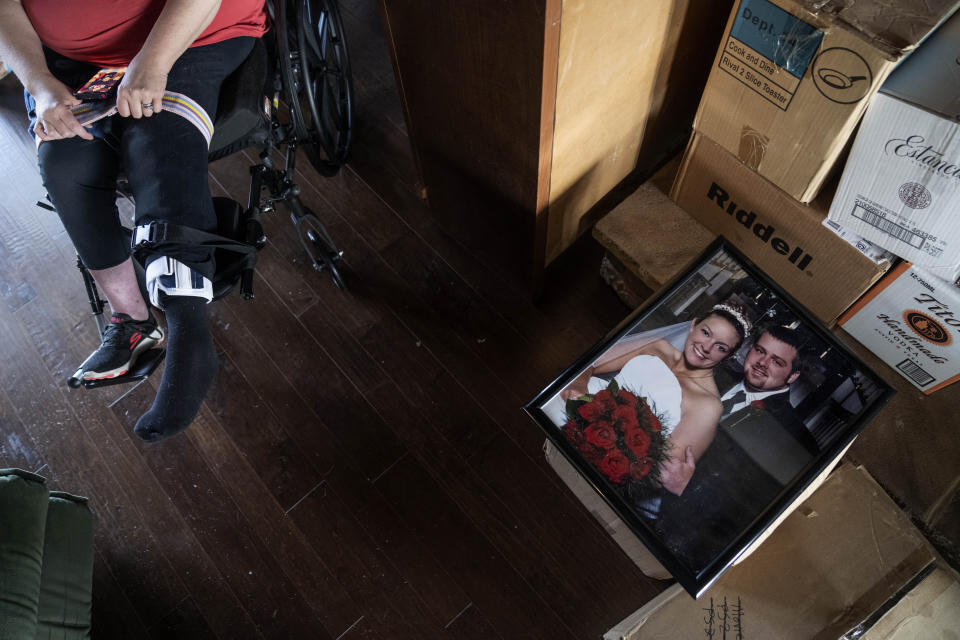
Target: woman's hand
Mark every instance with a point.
(578, 387)
(675, 474)
(143, 84)
(55, 120)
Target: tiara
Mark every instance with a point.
(737, 315)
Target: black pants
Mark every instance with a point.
(164, 158)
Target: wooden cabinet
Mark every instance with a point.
(523, 114)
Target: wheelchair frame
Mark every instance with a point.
(310, 65)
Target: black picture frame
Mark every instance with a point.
(697, 535)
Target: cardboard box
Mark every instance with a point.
(931, 609)
(929, 77)
(901, 185)
(898, 187)
(833, 562)
(604, 515)
(911, 321)
(792, 78)
(785, 238)
(872, 251)
(650, 235)
(627, 540)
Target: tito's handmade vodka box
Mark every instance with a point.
(911, 320)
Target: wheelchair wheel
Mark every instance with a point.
(331, 257)
(319, 246)
(316, 72)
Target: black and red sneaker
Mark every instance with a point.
(124, 339)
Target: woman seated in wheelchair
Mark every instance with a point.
(183, 46)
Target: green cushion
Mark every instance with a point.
(67, 580)
(23, 516)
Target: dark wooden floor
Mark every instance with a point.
(362, 467)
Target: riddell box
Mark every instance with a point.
(783, 237)
(792, 78)
(911, 321)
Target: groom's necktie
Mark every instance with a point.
(732, 401)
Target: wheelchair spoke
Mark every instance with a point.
(290, 67)
(317, 35)
(326, 80)
(315, 71)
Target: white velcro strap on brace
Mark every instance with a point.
(176, 279)
(141, 234)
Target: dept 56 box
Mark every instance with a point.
(792, 78)
(911, 320)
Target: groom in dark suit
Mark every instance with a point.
(760, 446)
(770, 367)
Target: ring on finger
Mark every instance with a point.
(147, 105)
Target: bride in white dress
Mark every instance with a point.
(648, 376)
(677, 382)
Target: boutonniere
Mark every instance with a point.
(758, 404)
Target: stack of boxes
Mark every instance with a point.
(789, 84)
(793, 77)
(787, 91)
(901, 190)
(788, 87)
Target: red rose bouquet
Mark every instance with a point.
(619, 434)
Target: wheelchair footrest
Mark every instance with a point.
(145, 365)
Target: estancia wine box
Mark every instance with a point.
(911, 320)
(901, 185)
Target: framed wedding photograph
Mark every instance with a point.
(706, 413)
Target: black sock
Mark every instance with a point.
(190, 368)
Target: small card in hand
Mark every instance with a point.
(102, 85)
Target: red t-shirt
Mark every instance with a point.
(109, 33)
